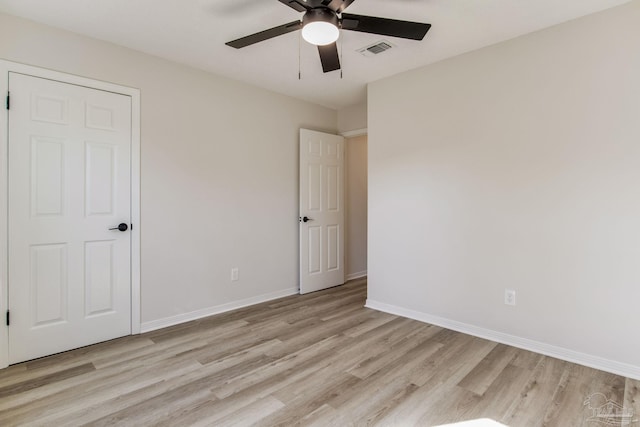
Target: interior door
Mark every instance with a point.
(69, 177)
(321, 210)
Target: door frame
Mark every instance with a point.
(5, 68)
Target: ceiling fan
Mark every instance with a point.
(321, 24)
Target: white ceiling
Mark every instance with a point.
(193, 32)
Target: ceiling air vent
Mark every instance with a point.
(376, 49)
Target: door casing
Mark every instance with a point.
(5, 68)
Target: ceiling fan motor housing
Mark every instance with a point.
(320, 14)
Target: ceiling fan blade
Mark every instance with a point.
(265, 35)
(329, 57)
(384, 26)
(295, 4)
(338, 5)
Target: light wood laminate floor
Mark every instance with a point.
(317, 359)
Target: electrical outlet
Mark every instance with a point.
(510, 297)
(234, 274)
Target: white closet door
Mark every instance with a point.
(69, 184)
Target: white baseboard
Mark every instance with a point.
(210, 311)
(357, 275)
(591, 361)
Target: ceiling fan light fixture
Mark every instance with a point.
(320, 27)
(320, 33)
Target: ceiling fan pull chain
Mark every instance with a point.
(299, 72)
(341, 53)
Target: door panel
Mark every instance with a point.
(100, 174)
(321, 200)
(48, 284)
(69, 182)
(315, 188)
(47, 176)
(99, 277)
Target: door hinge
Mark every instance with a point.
(8, 100)
(8, 322)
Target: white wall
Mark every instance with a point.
(356, 217)
(516, 166)
(219, 171)
(352, 118)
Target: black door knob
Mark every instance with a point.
(122, 227)
(306, 219)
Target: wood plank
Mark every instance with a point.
(247, 415)
(33, 383)
(451, 407)
(436, 378)
(307, 401)
(632, 399)
(498, 397)
(534, 399)
(418, 343)
(526, 359)
(485, 372)
(79, 393)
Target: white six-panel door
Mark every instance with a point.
(69, 173)
(321, 210)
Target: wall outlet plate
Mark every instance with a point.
(509, 297)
